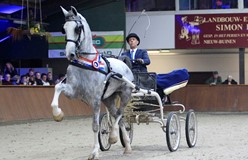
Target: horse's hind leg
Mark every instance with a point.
(125, 97)
(110, 103)
(57, 112)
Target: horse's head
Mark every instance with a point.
(74, 31)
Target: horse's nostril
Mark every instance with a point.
(72, 55)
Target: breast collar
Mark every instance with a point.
(97, 63)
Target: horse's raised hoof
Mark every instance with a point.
(59, 117)
(113, 140)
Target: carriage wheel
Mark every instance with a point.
(129, 129)
(173, 133)
(191, 128)
(104, 130)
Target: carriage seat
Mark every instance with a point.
(169, 90)
(172, 81)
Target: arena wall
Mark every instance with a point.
(30, 103)
(33, 103)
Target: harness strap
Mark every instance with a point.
(86, 67)
(107, 63)
(109, 74)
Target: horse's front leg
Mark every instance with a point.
(95, 127)
(57, 112)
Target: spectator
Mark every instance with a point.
(17, 81)
(24, 80)
(219, 4)
(60, 78)
(1, 78)
(44, 79)
(30, 72)
(214, 79)
(9, 69)
(31, 81)
(7, 80)
(38, 78)
(229, 80)
(139, 58)
(50, 78)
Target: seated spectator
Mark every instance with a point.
(229, 80)
(60, 78)
(38, 78)
(1, 79)
(214, 79)
(50, 78)
(9, 69)
(31, 81)
(44, 79)
(30, 72)
(17, 81)
(7, 80)
(23, 80)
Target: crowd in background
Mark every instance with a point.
(215, 79)
(10, 76)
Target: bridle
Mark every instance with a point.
(78, 30)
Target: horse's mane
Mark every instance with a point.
(88, 44)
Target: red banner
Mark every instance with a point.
(211, 31)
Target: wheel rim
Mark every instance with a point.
(192, 128)
(104, 132)
(174, 132)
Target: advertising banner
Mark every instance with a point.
(211, 31)
(106, 43)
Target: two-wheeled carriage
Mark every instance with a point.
(150, 104)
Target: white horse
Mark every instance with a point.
(90, 79)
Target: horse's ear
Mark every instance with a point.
(64, 11)
(74, 11)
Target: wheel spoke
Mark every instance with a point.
(104, 133)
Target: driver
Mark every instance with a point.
(138, 57)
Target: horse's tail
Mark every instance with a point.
(126, 60)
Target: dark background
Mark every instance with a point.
(32, 52)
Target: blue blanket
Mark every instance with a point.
(173, 78)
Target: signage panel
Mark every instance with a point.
(211, 31)
(106, 43)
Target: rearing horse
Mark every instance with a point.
(88, 82)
